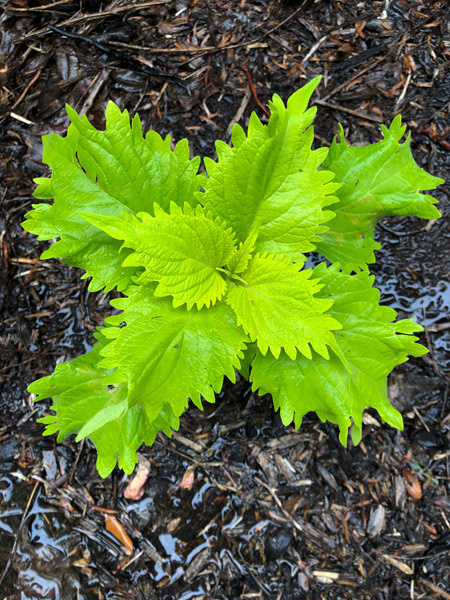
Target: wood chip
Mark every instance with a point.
(400, 491)
(115, 528)
(268, 468)
(21, 119)
(436, 589)
(286, 468)
(398, 564)
(187, 442)
(197, 564)
(327, 476)
(286, 441)
(377, 521)
(412, 485)
(368, 419)
(326, 576)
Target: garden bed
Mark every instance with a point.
(235, 505)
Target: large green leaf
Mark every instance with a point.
(85, 405)
(376, 180)
(276, 305)
(170, 355)
(107, 173)
(181, 250)
(372, 345)
(269, 180)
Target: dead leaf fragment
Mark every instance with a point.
(188, 478)
(116, 528)
(412, 485)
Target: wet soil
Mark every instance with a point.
(236, 505)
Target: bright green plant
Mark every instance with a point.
(212, 272)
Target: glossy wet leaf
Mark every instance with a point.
(106, 172)
(181, 250)
(83, 401)
(269, 180)
(372, 344)
(167, 354)
(277, 307)
(376, 180)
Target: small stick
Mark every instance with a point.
(36, 8)
(280, 506)
(96, 84)
(80, 451)
(187, 442)
(240, 111)
(255, 95)
(26, 90)
(356, 76)
(403, 94)
(314, 49)
(350, 111)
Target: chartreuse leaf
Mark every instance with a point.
(211, 271)
(246, 362)
(269, 180)
(239, 259)
(168, 354)
(181, 250)
(107, 173)
(277, 308)
(372, 345)
(376, 180)
(86, 406)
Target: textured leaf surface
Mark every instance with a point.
(376, 180)
(269, 180)
(86, 406)
(181, 250)
(167, 354)
(372, 345)
(239, 259)
(277, 308)
(106, 172)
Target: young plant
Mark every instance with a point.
(212, 273)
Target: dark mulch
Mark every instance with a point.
(250, 509)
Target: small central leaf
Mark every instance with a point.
(183, 251)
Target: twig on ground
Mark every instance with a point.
(96, 85)
(436, 589)
(255, 95)
(240, 111)
(350, 111)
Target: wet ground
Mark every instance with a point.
(236, 505)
